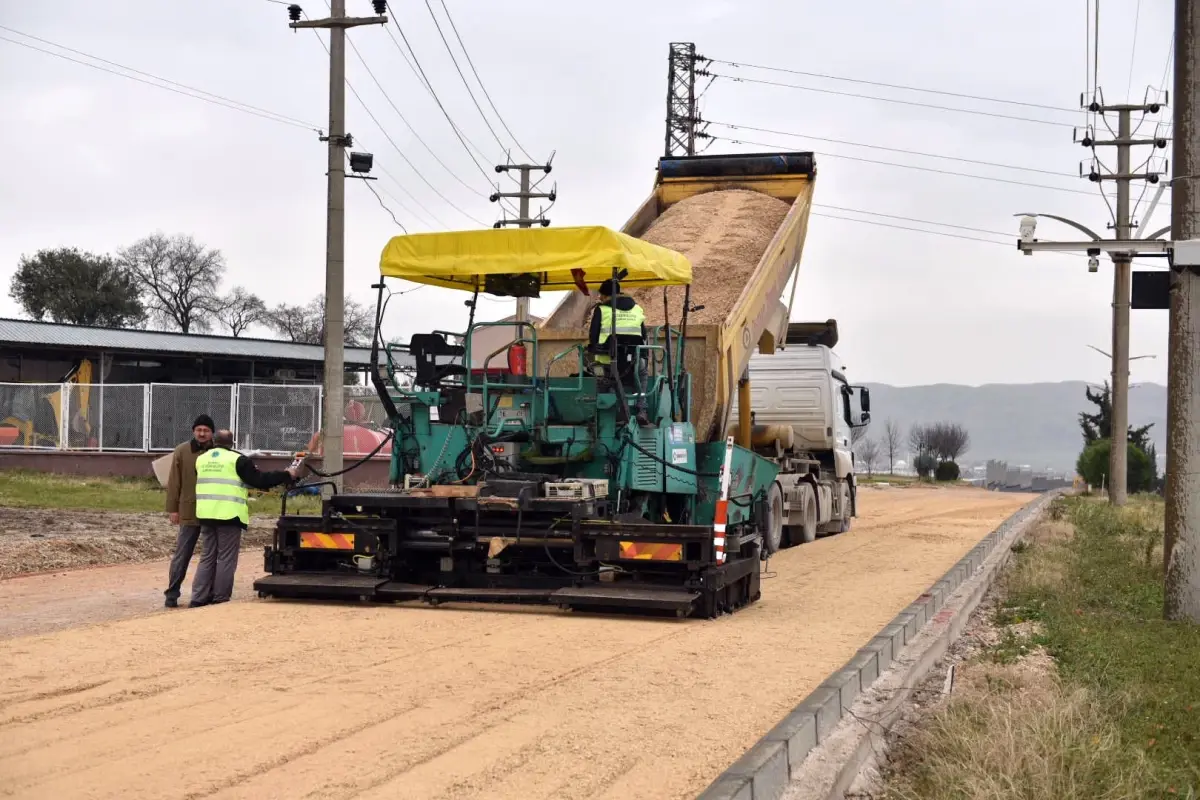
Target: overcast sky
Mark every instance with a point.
(96, 161)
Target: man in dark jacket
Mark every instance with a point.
(223, 478)
(181, 503)
(628, 325)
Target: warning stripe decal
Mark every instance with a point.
(327, 541)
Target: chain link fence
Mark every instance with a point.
(174, 407)
(270, 418)
(276, 418)
(31, 415)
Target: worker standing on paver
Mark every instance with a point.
(223, 477)
(181, 503)
(628, 324)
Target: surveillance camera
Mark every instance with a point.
(1093, 264)
(1028, 227)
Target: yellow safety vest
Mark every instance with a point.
(220, 493)
(628, 323)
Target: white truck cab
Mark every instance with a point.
(803, 412)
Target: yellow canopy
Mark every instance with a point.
(461, 260)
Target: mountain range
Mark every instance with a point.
(1029, 423)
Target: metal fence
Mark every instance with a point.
(140, 417)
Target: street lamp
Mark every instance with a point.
(1109, 355)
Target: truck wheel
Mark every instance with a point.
(844, 490)
(807, 530)
(773, 525)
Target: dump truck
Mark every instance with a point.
(746, 360)
(537, 483)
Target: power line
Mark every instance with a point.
(471, 63)
(1137, 17)
(892, 149)
(184, 89)
(384, 207)
(895, 86)
(400, 152)
(910, 219)
(404, 119)
(915, 167)
(993, 114)
(429, 85)
(1008, 244)
(466, 84)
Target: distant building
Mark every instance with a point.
(44, 352)
(485, 341)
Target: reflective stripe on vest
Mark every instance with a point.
(220, 493)
(628, 322)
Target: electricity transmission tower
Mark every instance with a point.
(684, 125)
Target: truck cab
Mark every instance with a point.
(804, 412)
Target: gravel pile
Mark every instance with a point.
(723, 234)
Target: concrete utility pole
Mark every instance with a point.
(335, 275)
(523, 219)
(1123, 248)
(1182, 541)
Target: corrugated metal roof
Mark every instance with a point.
(27, 332)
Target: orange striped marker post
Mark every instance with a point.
(722, 514)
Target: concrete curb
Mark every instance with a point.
(901, 653)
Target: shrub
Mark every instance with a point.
(946, 471)
(924, 464)
(1092, 466)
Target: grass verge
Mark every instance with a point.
(1082, 689)
(27, 489)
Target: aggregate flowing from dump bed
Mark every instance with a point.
(723, 234)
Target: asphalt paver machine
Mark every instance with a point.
(538, 482)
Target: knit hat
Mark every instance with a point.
(206, 421)
(609, 287)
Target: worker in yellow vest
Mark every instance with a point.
(223, 478)
(626, 322)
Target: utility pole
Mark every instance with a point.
(1182, 526)
(523, 219)
(1122, 249)
(335, 234)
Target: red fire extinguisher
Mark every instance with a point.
(517, 361)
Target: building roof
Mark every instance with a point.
(18, 332)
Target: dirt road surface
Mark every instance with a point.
(267, 699)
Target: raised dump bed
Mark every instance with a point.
(741, 220)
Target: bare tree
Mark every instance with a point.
(239, 310)
(867, 451)
(948, 440)
(857, 434)
(306, 323)
(919, 448)
(177, 277)
(890, 443)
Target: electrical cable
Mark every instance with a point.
(396, 147)
(892, 149)
(200, 94)
(1137, 17)
(429, 85)
(913, 166)
(893, 86)
(384, 207)
(404, 119)
(466, 84)
(915, 103)
(390, 435)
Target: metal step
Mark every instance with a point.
(317, 584)
(489, 595)
(677, 600)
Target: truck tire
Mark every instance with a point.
(844, 490)
(807, 530)
(773, 525)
